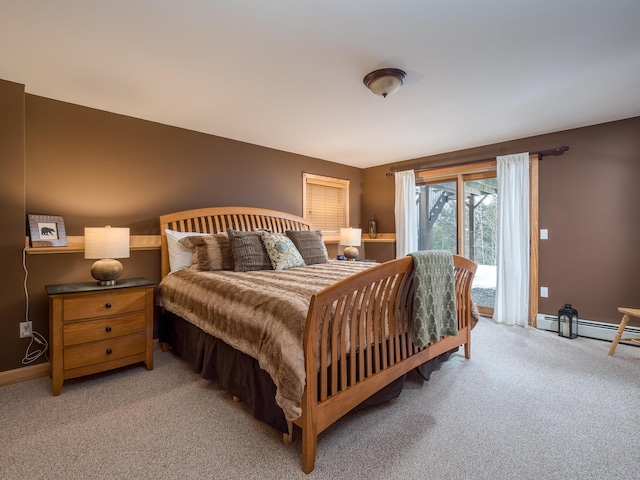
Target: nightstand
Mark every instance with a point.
(94, 328)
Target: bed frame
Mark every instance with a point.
(369, 310)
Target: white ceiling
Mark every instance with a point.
(287, 74)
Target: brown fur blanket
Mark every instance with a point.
(261, 313)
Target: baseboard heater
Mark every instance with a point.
(588, 328)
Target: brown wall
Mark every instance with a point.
(12, 299)
(96, 168)
(588, 202)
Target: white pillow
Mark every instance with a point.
(180, 257)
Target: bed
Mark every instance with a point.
(305, 343)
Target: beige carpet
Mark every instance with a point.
(528, 405)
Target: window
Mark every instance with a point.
(326, 203)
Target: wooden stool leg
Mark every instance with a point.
(616, 339)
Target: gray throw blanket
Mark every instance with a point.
(434, 302)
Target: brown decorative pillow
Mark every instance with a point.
(210, 252)
(249, 253)
(310, 245)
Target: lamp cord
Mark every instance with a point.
(31, 356)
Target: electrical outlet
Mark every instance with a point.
(25, 329)
(544, 292)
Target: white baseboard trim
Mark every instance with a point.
(588, 328)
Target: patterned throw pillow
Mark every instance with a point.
(310, 245)
(282, 252)
(210, 253)
(249, 253)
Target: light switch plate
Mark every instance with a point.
(544, 234)
(544, 292)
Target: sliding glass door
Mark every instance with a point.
(481, 236)
(437, 228)
(458, 213)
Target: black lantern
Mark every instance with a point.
(568, 321)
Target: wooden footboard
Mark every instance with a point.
(356, 342)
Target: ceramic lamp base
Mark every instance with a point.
(351, 253)
(106, 271)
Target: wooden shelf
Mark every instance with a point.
(76, 245)
(380, 238)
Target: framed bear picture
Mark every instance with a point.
(46, 231)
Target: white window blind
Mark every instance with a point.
(326, 203)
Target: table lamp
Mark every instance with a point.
(106, 244)
(351, 237)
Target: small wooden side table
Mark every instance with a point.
(95, 328)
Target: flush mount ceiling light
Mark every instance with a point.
(385, 81)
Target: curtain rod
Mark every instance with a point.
(555, 152)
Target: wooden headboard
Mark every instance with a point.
(220, 219)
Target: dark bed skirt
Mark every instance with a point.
(241, 376)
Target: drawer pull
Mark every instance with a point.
(108, 328)
(107, 305)
(109, 351)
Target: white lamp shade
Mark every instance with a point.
(351, 237)
(106, 242)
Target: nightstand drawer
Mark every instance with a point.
(103, 304)
(103, 329)
(103, 351)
